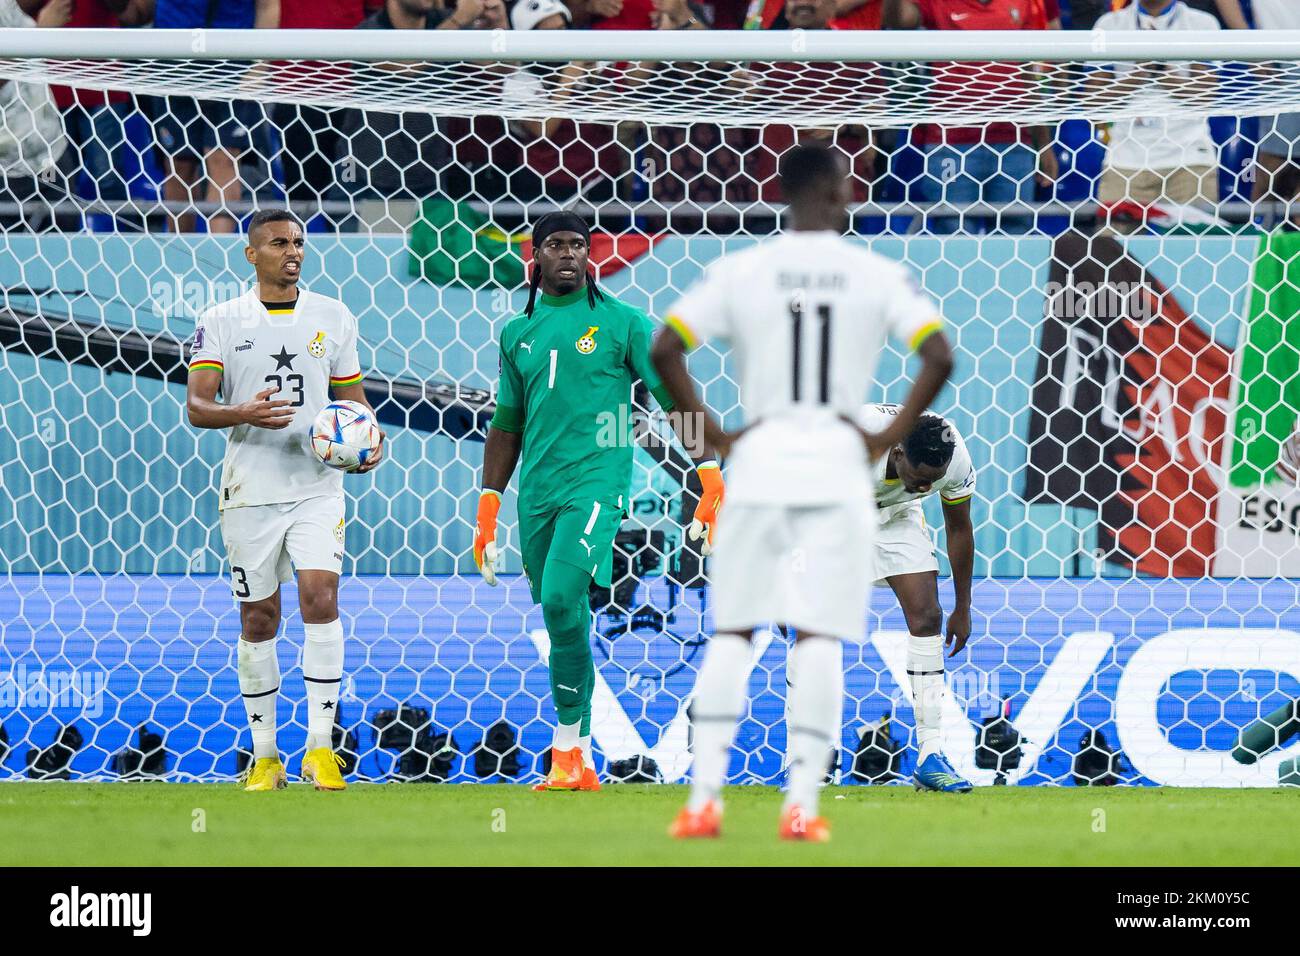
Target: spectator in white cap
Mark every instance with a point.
(540, 15)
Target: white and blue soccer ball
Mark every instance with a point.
(344, 435)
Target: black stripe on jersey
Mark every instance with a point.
(796, 312)
(824, 312)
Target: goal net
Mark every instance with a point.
(1104, 220)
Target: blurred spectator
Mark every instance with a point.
(1084, 14)
(95, 119)
(402, 155)
(996, 163)
(1166, 156)
(822, 84)
(701, 162)
(201, 141)
(612, 14)
(557, 157)
(31, 134)
(846, 15)
(310, 138)
(1277, 170)
(1227, 12)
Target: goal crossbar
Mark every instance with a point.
(728, 45)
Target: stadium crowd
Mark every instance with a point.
(206, 160)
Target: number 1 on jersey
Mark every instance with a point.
(824, 350)
(555, 355)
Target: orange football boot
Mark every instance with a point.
(590, 782)
(697, 824)
(796, 825)
(566, 771)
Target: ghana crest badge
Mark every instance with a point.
(587, 344)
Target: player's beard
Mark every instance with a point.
(563, 285)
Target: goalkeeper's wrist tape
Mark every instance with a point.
(702, 466)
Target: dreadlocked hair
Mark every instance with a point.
(593, 293)
(930, 443)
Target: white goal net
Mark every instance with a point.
(1105, 220)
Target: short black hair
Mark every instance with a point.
(265, 216)
(806, 166)
(931, 442)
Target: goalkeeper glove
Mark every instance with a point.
(705, 519)
(485, 535)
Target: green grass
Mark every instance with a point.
(153, 824)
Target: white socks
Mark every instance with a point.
(259, 682)
(815, 711)
(566, 736)
(718, 705)
(587, 759)
(322, 672)
(925, 672)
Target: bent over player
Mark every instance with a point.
(568, 364)
(806, 314)
(275, 353)
(932, 459)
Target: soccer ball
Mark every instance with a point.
(344, 435)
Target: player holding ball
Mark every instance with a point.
(276, 353)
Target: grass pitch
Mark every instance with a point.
(166, 824)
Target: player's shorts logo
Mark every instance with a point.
(587, 344)
(338, 530)
(317, 345)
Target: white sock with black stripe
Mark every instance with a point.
(259, 683)
(322, 672)
(925, 673)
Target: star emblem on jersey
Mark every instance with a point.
(317, 346)
(284, 359)
(587, 344)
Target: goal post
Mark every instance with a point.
(1128, 382)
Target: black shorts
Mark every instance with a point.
(184, 126)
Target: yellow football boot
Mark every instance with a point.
(321, 768)
(267, 773)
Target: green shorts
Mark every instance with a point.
(580, 533)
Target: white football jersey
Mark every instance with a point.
(303, 352)
(956, 485)
(806, 315)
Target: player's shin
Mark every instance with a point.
(816, 707)
(322, 672)
(259, 683)
(568, 618)
(584, 725)
(715, 710)
(925, 673)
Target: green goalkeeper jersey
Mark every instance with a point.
(566, 385)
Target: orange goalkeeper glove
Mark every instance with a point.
(485, 535)
(705, 519)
